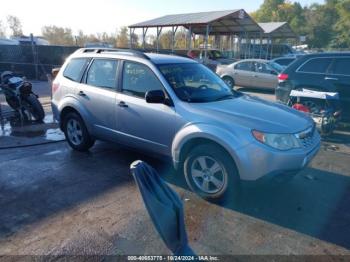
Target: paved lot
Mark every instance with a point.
(56, 201)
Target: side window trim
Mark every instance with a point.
(306, 72)
(83, 78)
(116, 84)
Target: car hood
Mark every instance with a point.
(255, 113)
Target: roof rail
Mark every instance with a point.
(113, 50)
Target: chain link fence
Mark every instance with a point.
(32, 61)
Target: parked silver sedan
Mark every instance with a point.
(256, 73)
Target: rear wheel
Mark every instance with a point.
(76, 132)
(35, 108)
(229, 81)
(211, 173)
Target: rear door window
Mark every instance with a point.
(341, 66)
(75, 69)
(244, 66)
(262, 68)
(103, 73)
(316, 65)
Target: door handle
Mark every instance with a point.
(331, 78)
(81, 93)
(122, 104)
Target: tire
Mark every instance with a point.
(197, 173)
(35, 108)
(229, 81)
(76, 132)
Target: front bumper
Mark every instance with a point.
(258, 161)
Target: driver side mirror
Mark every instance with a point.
(155, 97)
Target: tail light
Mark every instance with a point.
(282, 77)
(55, 87)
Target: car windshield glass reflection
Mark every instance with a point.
(216, 54)
(196, 83)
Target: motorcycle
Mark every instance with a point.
(323, 107)
(20, 97)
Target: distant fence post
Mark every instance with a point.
(35, 57)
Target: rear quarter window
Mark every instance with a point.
(75, 68)
(341, 66)
(316, 65)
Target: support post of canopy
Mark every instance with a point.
(159, 31)
(173, 33)
(260, 55)
(190, 37)
(271, 48)
(130, 38)
(144, 32)
(206, 42)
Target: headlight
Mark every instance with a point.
(278, 141)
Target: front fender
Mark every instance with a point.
(231, 141)
(71, 101)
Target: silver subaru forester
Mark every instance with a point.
(176, 107)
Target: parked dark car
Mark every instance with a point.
(286, 60)
(329, 72)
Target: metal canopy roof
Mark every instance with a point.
(221, 22)
(278, 30)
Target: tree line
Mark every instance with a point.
(324, 25)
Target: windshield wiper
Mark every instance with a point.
(225, 97)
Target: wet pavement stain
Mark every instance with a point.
(14, 133)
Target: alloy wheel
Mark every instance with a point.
(74, 132)
(208, 174)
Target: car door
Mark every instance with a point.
(264, 76)
(97, 94)
(141, 124)
(339, 77)
(243, 73)
(311, 74)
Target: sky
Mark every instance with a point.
(93, 16)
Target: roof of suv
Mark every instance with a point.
(153, 57)
(325, 54)
(168, 59)
(302, 59)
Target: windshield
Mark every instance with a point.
(276, 66)
(196, 83)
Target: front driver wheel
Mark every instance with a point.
(211, 173)
(76, 133)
